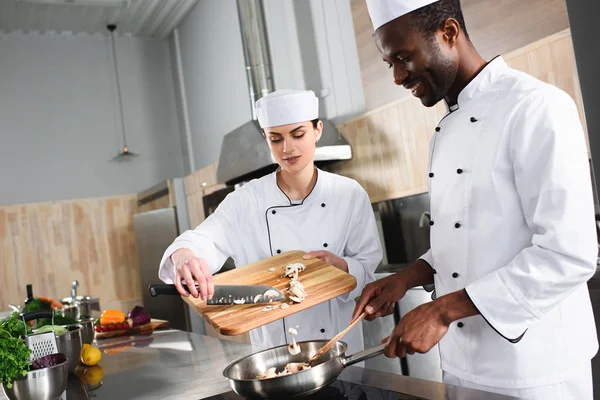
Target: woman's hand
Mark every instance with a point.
(328, 258)
(192, 270)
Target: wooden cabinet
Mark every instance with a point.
(391, 144)
(390, 149)
(196, 185)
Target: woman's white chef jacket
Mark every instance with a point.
(512, 221)
(258, 221)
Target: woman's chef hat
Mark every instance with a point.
(384, 11)
(284, 107)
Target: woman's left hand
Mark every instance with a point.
(328, 258)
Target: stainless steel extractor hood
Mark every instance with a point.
(244, 152)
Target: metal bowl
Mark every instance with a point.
(87, 330)
(70, 345)
(42, 384)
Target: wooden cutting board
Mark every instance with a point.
(321, 282)
(153, 325)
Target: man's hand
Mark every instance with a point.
(424, 327)
(192, 269)
(417, 332)
(378, 298)
(328, 258)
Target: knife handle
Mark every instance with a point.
(165, 289)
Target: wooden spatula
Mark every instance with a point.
(333, 341)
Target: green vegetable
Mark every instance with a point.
(36, 305)
(58, 320)
(58, 330)
(15, 326)
(14, 358)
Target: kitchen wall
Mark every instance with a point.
(60, 125)
(51, 244)
(214, 76)
(312, 47)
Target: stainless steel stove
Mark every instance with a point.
(337, 390)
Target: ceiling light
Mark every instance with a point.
(125, 154)
(90, 3)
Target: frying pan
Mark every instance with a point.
(243, 372)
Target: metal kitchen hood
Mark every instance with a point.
(245, 154)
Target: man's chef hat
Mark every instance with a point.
(284, 107)
(384, 11)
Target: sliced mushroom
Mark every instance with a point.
(239, 301)
(271, 269)
(296, 299)
(284, 306)
(268, 308)
(257, 298)
(292, 368)
(292, 270)
(270, 373)
(292, 331)
(297, 289)
(293, 348)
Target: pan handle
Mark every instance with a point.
(363, 355)
(32, 315)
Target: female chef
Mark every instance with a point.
(297, 207)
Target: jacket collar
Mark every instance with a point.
(480, 83)
(315, 193)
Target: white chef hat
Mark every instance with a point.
(284, 107)
(384, 11)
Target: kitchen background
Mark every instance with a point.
(73, 208)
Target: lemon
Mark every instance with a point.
(93, 375)
(90, 355)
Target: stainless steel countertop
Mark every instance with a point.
(181, 365)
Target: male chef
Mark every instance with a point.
(512, 236)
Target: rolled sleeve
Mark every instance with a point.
(428, 258)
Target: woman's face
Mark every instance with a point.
(293, 145)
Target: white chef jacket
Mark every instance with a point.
(258, 221)
(512, 221)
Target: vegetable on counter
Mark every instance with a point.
(48, 361)
(112, 317)
(58, 320)
(58, 330)
(139, 316)
(113, 320)
(36, 304)
(15, 358)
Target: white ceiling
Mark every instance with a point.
(149, 18)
